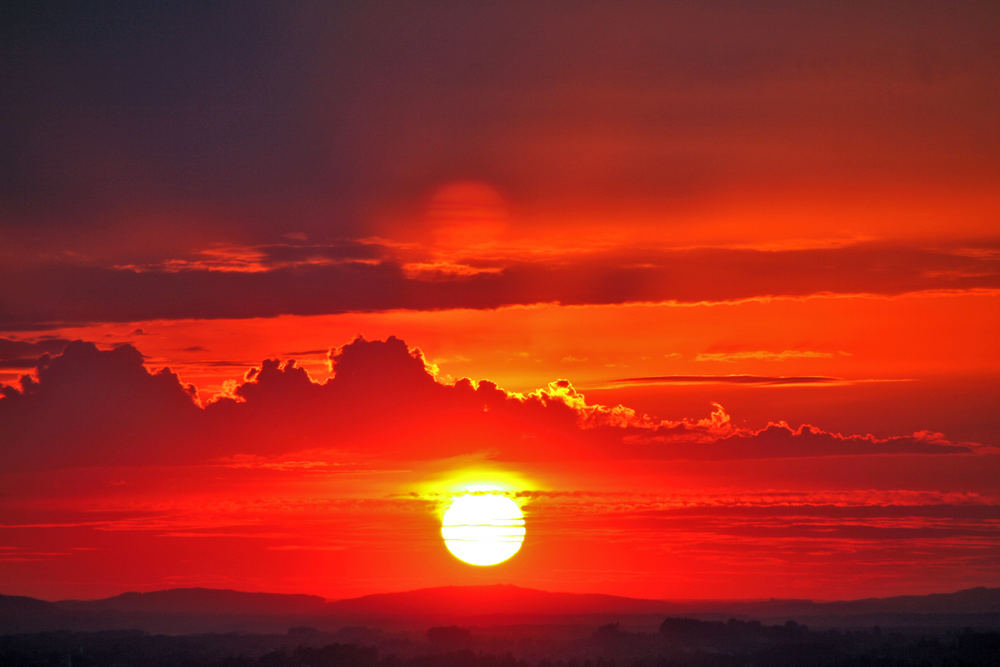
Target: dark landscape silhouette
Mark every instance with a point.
(496, 626)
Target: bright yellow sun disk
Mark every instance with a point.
(483, 528)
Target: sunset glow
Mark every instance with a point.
(342, 298)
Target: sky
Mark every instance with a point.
(712, 290)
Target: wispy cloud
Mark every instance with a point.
(766, 355)
(731, 379)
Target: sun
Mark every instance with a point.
(483, 528)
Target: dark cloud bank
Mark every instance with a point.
(338, 281)
(15, 353)
(103, 407)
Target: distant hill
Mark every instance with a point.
(510, 603)
(189, 610)
(24, 614)
(472, 601)
(202, 601)
(971, 600)
(17, 604)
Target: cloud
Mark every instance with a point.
(758, 380)
(91, 406)
(18, 353)
(859, 502)
(261, 258)
(384, 402)
(730, 379)
(765, 355)
(780, 440)
(368, 276)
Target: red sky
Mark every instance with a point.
(715, 291)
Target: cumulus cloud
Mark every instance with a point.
(91, 406)
(384, 402)
(22, 353)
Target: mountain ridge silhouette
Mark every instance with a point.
(480, 601)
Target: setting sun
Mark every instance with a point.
(483, 528)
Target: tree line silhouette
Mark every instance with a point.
(680, 642)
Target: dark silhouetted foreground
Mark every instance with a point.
(680, 641)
